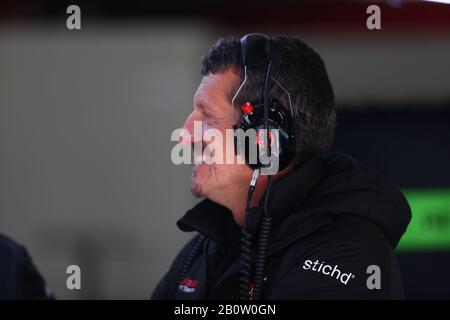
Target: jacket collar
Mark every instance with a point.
(287, 196)
(211, 220)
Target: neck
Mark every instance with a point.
(238, 203)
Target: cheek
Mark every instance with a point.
(229, 174)
(216, 139)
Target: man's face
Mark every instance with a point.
(212, 106)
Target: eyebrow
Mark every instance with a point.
(209, 114)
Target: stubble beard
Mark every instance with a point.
(195, 187)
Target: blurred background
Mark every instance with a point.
(86, 117)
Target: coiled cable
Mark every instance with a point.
(247, 244)
(264, 234)
(191, 258)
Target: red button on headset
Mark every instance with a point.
(247, 107)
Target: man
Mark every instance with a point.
(335, 222)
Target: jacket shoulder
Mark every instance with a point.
(349, 260)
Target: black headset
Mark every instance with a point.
(258, 52)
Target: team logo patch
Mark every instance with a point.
(188, 285)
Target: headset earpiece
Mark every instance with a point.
(279, 119)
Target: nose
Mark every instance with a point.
(189, 126)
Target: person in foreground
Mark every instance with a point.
(330, 225)
(19, 278)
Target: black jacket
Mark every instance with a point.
(19, 278)
(334, 222)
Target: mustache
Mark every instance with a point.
(199, 145)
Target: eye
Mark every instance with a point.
(212, 122)
(209, 118)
